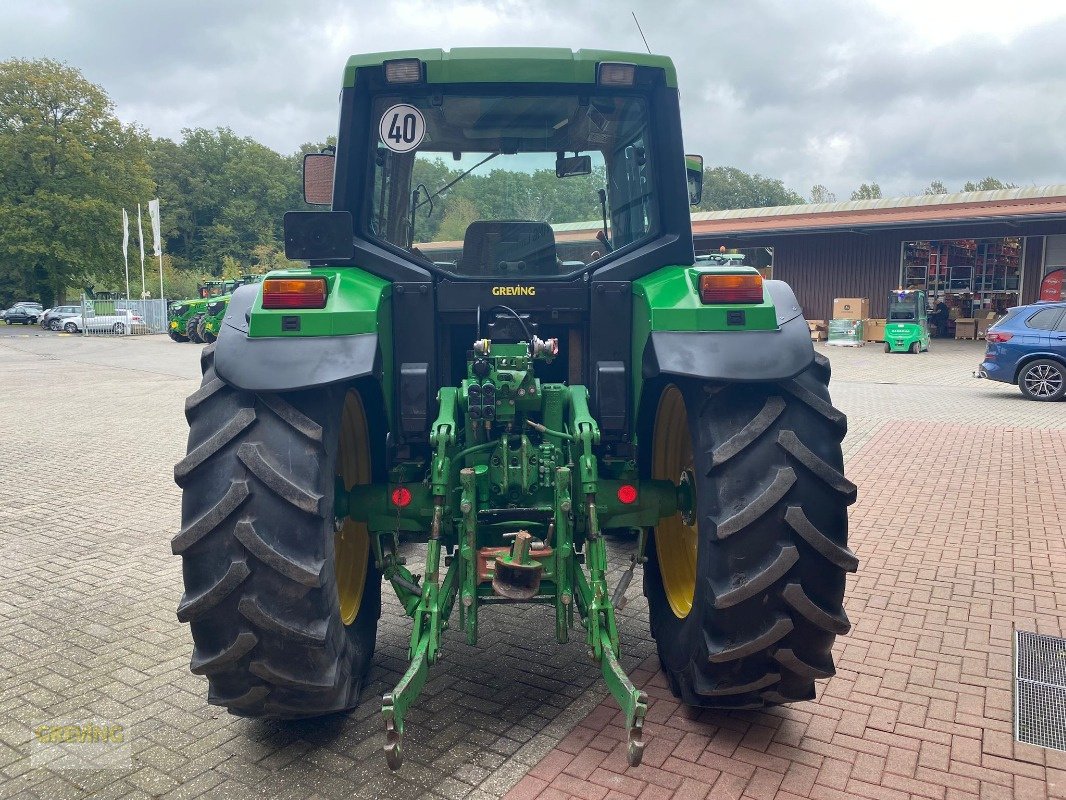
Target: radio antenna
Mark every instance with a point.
(641, 32)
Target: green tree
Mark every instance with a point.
(936, 187)
(868, 191)
(223, 195)
(820, 194)
(67, 167)
(461, 212)
(729, 187)
(986, 185)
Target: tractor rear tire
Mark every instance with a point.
(201, 331)
(192, 328)
(259, 548)
(749, 603)
(177, 337)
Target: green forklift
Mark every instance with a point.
(503, 347)
(907, 326)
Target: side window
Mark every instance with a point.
(1044, 320)
(1061, 327)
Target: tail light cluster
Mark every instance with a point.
(730, 288)
(998, 336)
(294, 293)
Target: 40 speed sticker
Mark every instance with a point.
(402, 128)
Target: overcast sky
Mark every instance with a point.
(836, 92)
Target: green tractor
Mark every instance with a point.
(186, 315)
(454, 369)
(907, 326)
(211, 321)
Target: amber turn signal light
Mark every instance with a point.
(731, 288)
(294, 293)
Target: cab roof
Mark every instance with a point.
(511, 64)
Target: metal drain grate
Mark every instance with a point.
(1040, 690)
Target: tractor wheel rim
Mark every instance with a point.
(675, 542)
(351, 543)
(1043, 381)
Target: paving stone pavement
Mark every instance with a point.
(90, 430)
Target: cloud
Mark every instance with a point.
(836, 92)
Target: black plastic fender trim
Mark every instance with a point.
(731, 355)
(284, 364)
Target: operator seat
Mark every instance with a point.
(504, 248)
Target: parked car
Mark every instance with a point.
(53, 317)
(1028, 348)
(26, 313)
(120, 321)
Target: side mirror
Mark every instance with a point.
(318, 178)
(575, 165)
(694, 170)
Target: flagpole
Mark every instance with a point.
(140, 236)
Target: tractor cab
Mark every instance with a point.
(907, 327)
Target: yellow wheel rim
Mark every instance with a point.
(675, 542)
(351, 544)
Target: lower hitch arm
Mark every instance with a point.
(430, 616)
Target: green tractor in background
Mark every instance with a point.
(185, 315)
(210, 321)
(507, 399)
(198, 320)
(907, 326)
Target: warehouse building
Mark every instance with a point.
(985, 251)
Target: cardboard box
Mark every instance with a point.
(966, 328)
(818, 325)
(819, 336)
(873, 330)
(851, 308)
(984, 324)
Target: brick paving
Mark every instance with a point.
(89, 432)
(960, 532)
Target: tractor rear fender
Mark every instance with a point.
(288, 363)
(743, 354)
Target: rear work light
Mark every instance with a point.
(612, 74)
(998, 336)
(730, 289)
(404, 70)
(294, 293)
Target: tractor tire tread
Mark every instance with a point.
(287, 488)
(772, 549)
(303, 572)
(267, 634)
(192, 606)
(209, 664)
(251, 610)
(237, 493)
(752, 431)
(288, 413)
(241, 420)
(744, 589)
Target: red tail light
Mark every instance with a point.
(294, 293)
(730, 288)
(401, 497)
(998, 336)
(627, 494)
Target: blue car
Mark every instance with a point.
(1028, 348)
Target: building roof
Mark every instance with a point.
(1034, 202)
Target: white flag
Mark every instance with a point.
(126, 248)
(140, 240)
(153, 212)
(140, 233)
